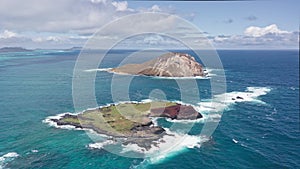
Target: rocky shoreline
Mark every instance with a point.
(143, 133)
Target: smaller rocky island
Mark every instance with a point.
(130, 120)
(171, 64)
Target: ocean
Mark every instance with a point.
(260, 132)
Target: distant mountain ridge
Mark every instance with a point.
(74, 48)
(14, 49)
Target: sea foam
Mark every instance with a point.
(100, 145)
(7, 157)
(212, 109)
(208, 71)
(54, 124)
(167, 146)
(98, 70)
(174, 142)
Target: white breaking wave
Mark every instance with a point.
(7, 157)
(212, 110)
(54, 124)
(235, 141)
(194, 77)
(212, 72)
(221, 102)
(174, 142)
(208, 71)
(147, 101)
(100, 145)
(167, 146)
(98, 70)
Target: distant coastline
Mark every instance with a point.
(14, 49)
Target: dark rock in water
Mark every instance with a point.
(147, 130)
(238, 97)
(180, 112)
(74, 122)
(158, 130)
(145, 123)
(145, 136)
(70, 116)
(232, 98)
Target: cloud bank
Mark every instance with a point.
(67, 23)
(269, 37)
(258, 31)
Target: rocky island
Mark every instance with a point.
(132, 121)
(167, 65)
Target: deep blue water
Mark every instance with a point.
(35, 85)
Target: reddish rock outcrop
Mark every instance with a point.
(180, 112)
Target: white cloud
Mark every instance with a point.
(268, 37)
(67, 16)
(150, 40)
(53, 38)
(155, 8)
(56, 23)
(60, 16)
(146, 22)
(267, 41)
(121, 6)
(260, 31)
(70, 22)
(8, 34)
(221, 38)
(99, 1)
(153, 40)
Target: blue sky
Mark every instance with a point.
(213, 16)
(229, 25)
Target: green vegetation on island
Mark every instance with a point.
(129, 119)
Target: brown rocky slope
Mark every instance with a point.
(168, 65)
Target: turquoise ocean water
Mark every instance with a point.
(263, 133)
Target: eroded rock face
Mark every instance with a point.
(167, 65)
(180, 112)
(60, 122)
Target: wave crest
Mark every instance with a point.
(164, 147)
(7, 157)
